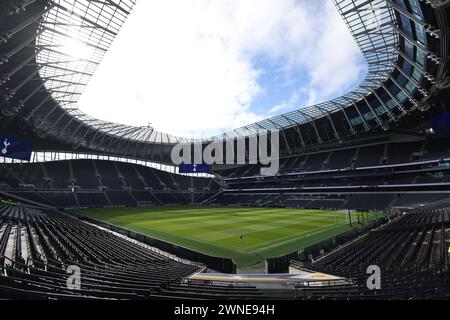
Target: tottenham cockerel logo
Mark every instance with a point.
(6, 143)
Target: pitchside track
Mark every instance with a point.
(246, 235)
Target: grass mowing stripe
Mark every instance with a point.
(214, 225)
(288, 228)
(217, 231)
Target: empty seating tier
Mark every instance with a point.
(38, 248)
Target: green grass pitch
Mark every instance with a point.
(217, 231)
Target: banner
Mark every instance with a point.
(441, 124)
(14, 148)
(194, 168)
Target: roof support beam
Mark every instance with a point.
(350, 125)
(416, 65)
(84, 19)
(7, 76)
(96, 47)
(302, 141)
(431, 55)
(319, 138)
(336, 134)
(394, 99)
(402, 89)
(12, 92)
(384, 105)
(31, 114)
(9, 33)
(373, 112)
(112, 4)
(366, 126)
(19, 47)
(406, 13)
(419, 87)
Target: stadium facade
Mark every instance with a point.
(383, 146)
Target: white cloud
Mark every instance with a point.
(186, 65)
(279, 108)
(332, 71)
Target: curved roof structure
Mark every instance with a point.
(372, 24)
(50, 48)
(74, 37)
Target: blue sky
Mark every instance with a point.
(197, 68)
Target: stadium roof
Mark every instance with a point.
(372, 24)
(76, 35)
(402, 47)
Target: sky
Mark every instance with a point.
(198, 68)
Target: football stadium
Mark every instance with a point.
(342, 197)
